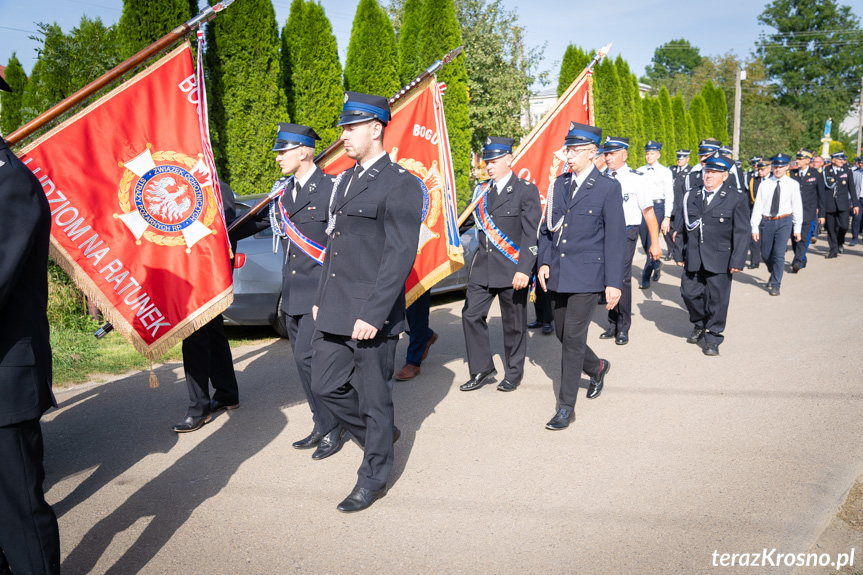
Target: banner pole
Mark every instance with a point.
(110, 76)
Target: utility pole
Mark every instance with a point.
(860, 122)
(741, 75)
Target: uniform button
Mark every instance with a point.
(565, 225)
(313, 218)
(489, 250)
(360, 211)
(295, 255)
(338, 233)
(589, 211)
(335, 254)
(567, 211)
(293, 272)
(564, 241)
(334, 275)
(340, 212)
(561, 255)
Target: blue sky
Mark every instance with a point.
(637, 28)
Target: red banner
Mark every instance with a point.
(416, 138)
(135, 220)
(539, 158)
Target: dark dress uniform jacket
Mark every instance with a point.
(516, 212)
(677, 171)
(592, 249)
(811, 193)
(371, 251)
(838, 192)
(725, 225)
(25, 349)
(301, 274)
(691, 180)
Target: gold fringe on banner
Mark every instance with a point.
(154, 381)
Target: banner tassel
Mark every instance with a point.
(154, 381)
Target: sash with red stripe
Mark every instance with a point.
(306, 245)
(503, 244)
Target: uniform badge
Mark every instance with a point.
(534, 250)
(508, 189)
(166, 198)
(346, 97)
(625, 197)
(571, 126)
(488, 141)
(312, 187)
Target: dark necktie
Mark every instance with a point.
(774, 205)
(492, 196)
(650, 167)
(613, 175)
(358, 172)
(297, 190)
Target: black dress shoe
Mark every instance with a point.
(329, 444)
(841, 249)
(608, 334)
(507, 385)
(769, 289)
(190, 423)
(754, 266)
(360, 498)
(622, 338)
(547, 328)
(217, 406)
(795, 267)
(711, 349)
(561, 419)
(307, 443)
(534, 324)
(831, 256)
(477, 380)
(697, 334)
(656, 273)
(775, 290)
(643, 284)
(596, 381)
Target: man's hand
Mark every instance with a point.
(520, 280)
(666, 224)
(755, 236)
(315, 312)
(797, 237)
(655, 250)
(680, 264)
(542, 275)
(856, 210)
(363, 330)
(733, 270)
(822, 221)
(612, 296)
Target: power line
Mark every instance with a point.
(19, 30)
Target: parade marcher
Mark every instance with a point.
(681, 167)
(659, 182)
(762, 172)
(207, 357)
(421, 337)
(507, 218)
(810, 192)
(297, 217)
(582, 249)
(29, 536)
(736, 172)
(838, 197)
(753, 171)
(678, 171)
(692, 180)
(817, 164)
(857, 220)
(635, 206)
(711, 242)
(776, 215)
(374, 218)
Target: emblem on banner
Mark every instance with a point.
(433, 189)
(166, 198)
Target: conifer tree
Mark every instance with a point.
(293, 37)
(372, 63)
(718, 108)
(441, 33)
(10, 102)
(629, 120)
(667, 118)
(647, 114)
(681, 127)
(693, 139)
(410, 53)
(701, 117)
(143, 22)
(574, 61)
(659, 128)
(607, 94)
(317, 79)
(247, 94)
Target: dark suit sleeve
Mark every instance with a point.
(18, 219)
(543, 242)
(615, 236)
(531, 211)
(820, 192)
(742, 229)
(855, 200)
(402, 222)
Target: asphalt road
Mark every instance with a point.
(682, 455)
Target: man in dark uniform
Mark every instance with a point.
(374, 219)
(810, 192)
(29, 538)
(207, 357)
(682, 167)
(302, 225)
(507, 218)
(838, 197)
(693, 179)
(711, 242)
(762, 172)
(736, 172)
(678, 171)
(582, 253)
(753, 171)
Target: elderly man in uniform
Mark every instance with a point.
(29, 538)
(776, 214)
(374, 218)
(838, 197)
(659, 182)
(508, 217)
(810, 193)
(582, 250)
(711, 242)
(693, 179)
(636, 205)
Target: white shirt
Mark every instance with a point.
(365, 166)
(634, 194)
(302, 181)
(501, 185)
(789, 201)
(660, 185)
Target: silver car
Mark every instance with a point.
(258, 276)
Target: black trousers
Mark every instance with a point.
(29, 537)
(620, 318)
(207, 358)
(301, 330)
(800, 248)
(354, 380)
(837, 226)
(542, 306)
(651, 264)
(572, 315)
(513, 313)
(706, 296)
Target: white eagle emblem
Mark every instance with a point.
(163, 203)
